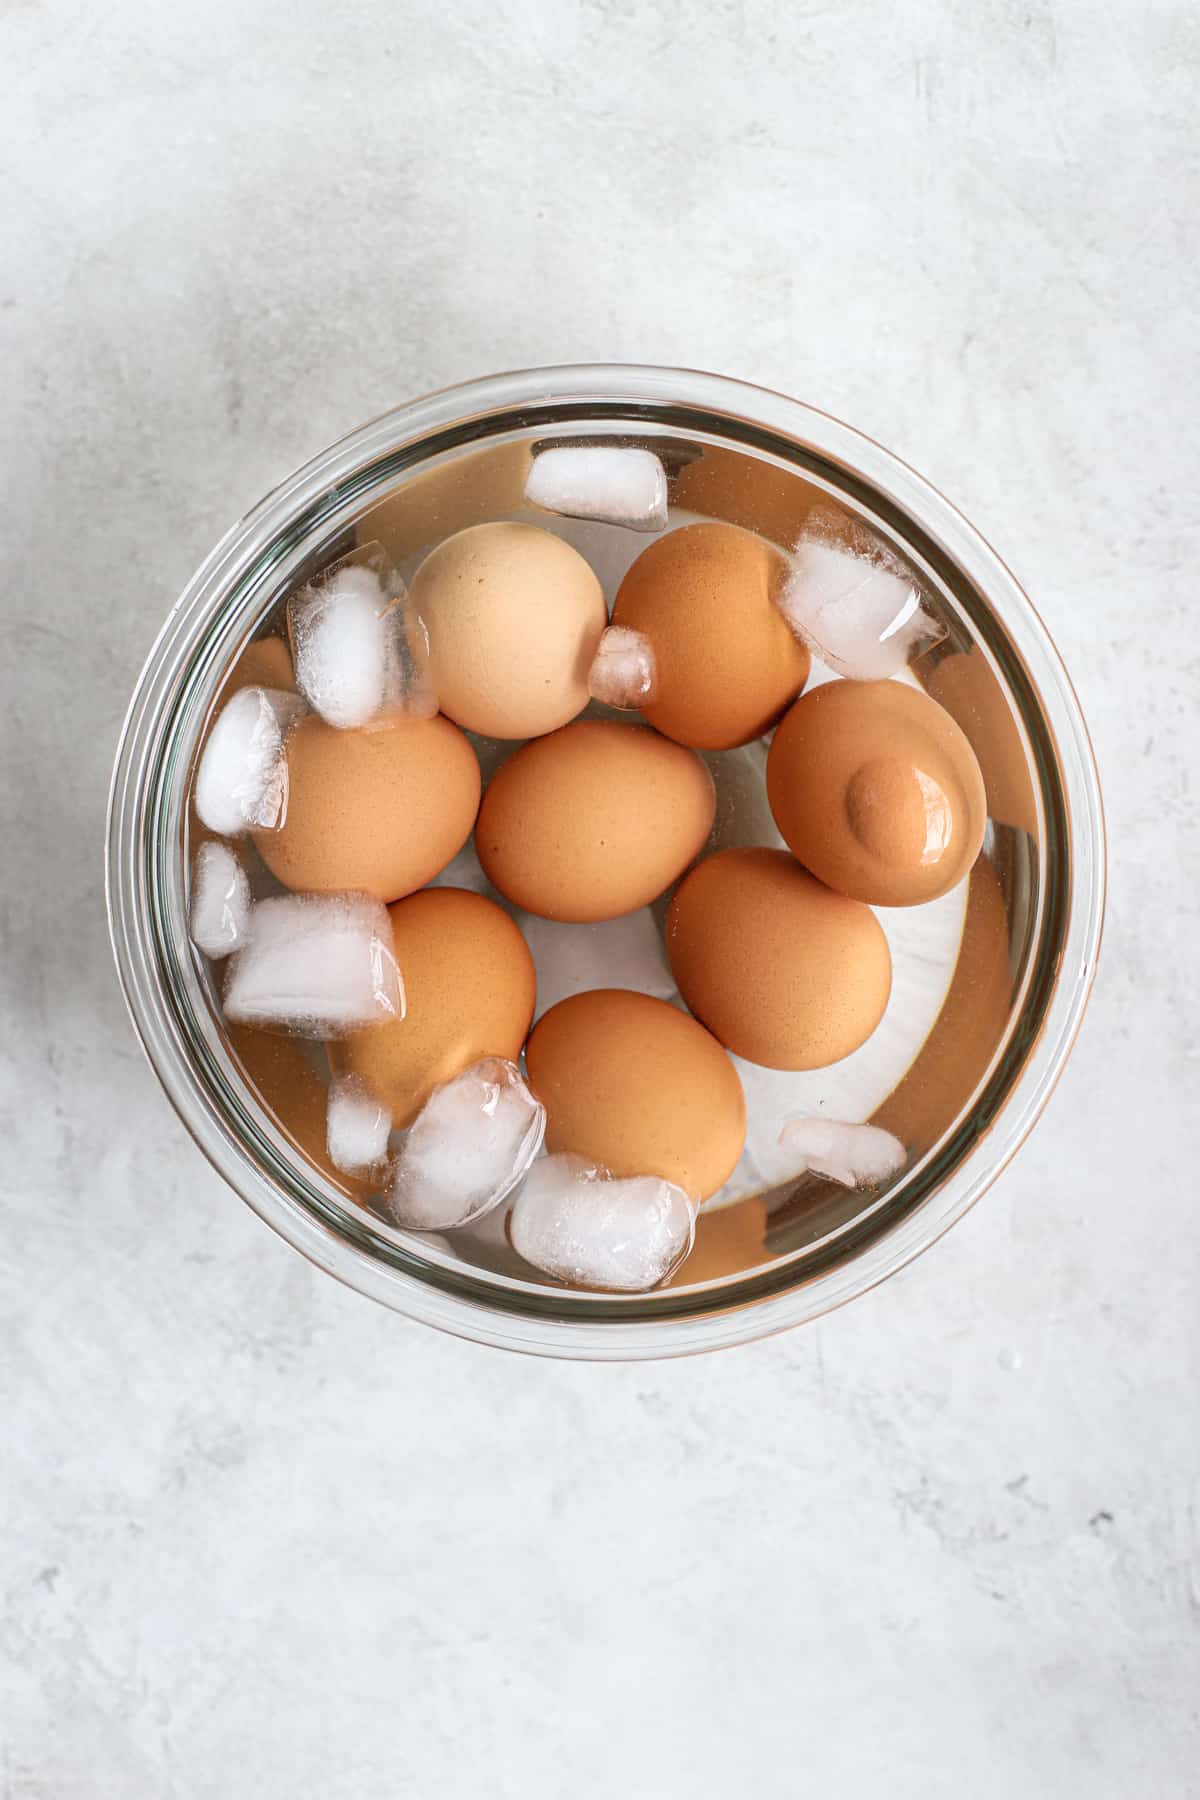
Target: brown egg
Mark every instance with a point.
(782, 970)
(505, 620)
(469, 989)
(382, 809)
(594, 820)
(877, 791)
(638, 1087)
(726, 664)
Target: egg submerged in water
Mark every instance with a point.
(594, 821)
(503, 622)
(877, 791)
(469, 990)
(380, 810)
(781, 970)
(637, 1087)
(726, 663)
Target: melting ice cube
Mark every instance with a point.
(615, 483)
(622, 672)
(853, 602)
(466, 1149)
(219, 910)
(352, 660)
(319, 965)
(582, 1225)
(242, 781)
(854, 1155)
(357, 1127)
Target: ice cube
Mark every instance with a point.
(352, 659)
(466, 1149)
(319, 965)
(219, 910)
(854, 1155)
(615, 483)
(853, 602)
(242, 781)
(357, 1127)
(622, 672)
(579, 1223)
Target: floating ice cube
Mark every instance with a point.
(242, 781)
(357, 1127)
(854, 1155)
(219, 910)
(622, 672)
(852, 602)
(582, 1225)
(352, 661)
(319, 965)
(615, 483)
(467, 1148)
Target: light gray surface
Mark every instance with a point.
(263, 1539)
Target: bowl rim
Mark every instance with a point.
(454, 415)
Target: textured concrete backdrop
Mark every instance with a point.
(264, 1539)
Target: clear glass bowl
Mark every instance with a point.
(1030, 933)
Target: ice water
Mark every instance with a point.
(778, 1197)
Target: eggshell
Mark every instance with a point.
(594, 820)
(469, 989)
(504, 622)
(781, 969)
(382, 809)
(726, 663)
(877, 791)
(639, 1088)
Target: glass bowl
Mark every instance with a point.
(1013, 995)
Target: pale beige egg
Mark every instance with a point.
(504, 620)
